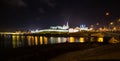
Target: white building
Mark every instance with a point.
(64, 27)
(71, 30)
(83, 27)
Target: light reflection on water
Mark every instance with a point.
(29, 38)
(81, 39)
(36, 40)
(15, 41)
(41, 40)
(72, 39)
(45, 40)
(59, 40)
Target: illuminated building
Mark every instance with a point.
(63, 28)
(60, 27)
(83, 27)
(71, 30)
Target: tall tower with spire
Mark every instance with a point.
(67, 25)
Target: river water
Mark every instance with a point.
(15, 41)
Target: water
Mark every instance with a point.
(15, 41)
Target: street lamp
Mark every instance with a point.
(111, 23)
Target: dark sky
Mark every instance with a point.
(40, 14)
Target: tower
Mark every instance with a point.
(67, 25)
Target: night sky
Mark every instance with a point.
(41, 14)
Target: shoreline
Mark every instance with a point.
(102, 53)
(43, 52)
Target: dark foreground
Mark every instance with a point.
(109, 52)
(43, 52)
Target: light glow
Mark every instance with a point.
(45, 40)
(81, 39)
(41, 40)
(100, 39)
(36, 40)
(72, 39)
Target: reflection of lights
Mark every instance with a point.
(18, 40)
(33, 40)
(51, 40)
(22, 38)
(18, 37)
(29, 40)
(41, 40)
(64, 39)
(45, 40)
(100, 39)
(72, 39)
(81, 39)
(14, 41)
(59, 39)
(36, 40)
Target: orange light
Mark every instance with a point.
(45, 40)
(100, 39)
(41, 40)
(72, 39)
(111, 23)
(81, 39)
(36, 40)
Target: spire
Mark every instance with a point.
(67, 23)
(67, 18)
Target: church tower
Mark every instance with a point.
(67, 25)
